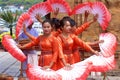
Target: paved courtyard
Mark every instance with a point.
(10, 66)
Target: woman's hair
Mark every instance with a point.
(62, 22)
(67, 18)
(73, 23)
(47, 20)
(56, 23)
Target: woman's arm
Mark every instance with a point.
(85, 46)
(95, 42)
(81, 28)
(55, 13)
(86, 16)
(29, 45)
(38, 17)
(31, 37)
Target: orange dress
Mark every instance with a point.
(75, 48)
(78, 31)
(56, 33)
(49, 50)
(81, 28)
(66, 48)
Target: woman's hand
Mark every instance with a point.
(46, 67)
(101, 41)
(38, 17)
(55, 13)
(96, 53)
(95, 18)
(86, 13)
(19, 46)
(24, 28)
(86, 16)
(67, 66)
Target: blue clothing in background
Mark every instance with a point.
(33, 32)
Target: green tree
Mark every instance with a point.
(8, 19)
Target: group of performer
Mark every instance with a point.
(59, 44)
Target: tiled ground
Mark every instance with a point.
(10, 66)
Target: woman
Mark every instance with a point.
(48, 46)
(67, 42)
(29, 53)
(79, 30)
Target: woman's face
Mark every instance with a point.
(47, 28)
(73, 29)
(67, 27)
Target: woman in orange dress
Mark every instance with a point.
(48, 45)
(79, 30)
(67, 42)
(75, 30)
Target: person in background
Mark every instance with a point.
(31, 54)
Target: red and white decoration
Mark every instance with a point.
(81, 8)
(42, 9)
(10, 45)
(78, 71)
(108, 47)
(36, 73)
(96, 8)
(23, 19)
(103, 14)
(105, 61)
(61, 4)
(100, 63)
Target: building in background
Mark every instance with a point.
(38, 27)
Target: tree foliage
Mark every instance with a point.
(9, 19)
(26, 3)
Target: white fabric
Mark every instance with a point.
(79, 71)
(96, 74)
(33, 59)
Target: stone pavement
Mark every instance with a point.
(95, 78)
(10, 66)
(107, 78)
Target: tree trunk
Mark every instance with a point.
(11, 31)
(107, 3)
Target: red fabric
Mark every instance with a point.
(10, 45)
(56, 33)
(46, 44)
(67, 44)
(81, 28)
